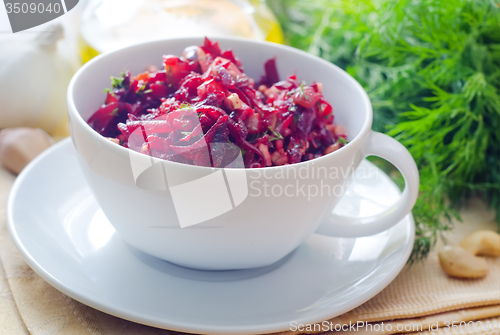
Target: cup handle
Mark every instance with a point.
(384, 146)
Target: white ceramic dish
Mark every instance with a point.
(230, 223)
(65, 237)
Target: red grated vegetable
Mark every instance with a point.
(202, 109)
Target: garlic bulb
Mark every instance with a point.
(33, 82)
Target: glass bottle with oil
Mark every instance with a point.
(111, 24)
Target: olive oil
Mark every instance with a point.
(111, 24)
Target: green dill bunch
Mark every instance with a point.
(432, 71)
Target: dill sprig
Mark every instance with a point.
(277, 135)
(432, 71)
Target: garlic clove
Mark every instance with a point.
(482, 243)
(457, 262)
(19, 146)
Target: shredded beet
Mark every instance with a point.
(271, 77)
(202, 106)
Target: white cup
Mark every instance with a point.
(221, 219)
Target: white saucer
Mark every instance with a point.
(64, 236)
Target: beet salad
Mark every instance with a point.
(202, 109)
